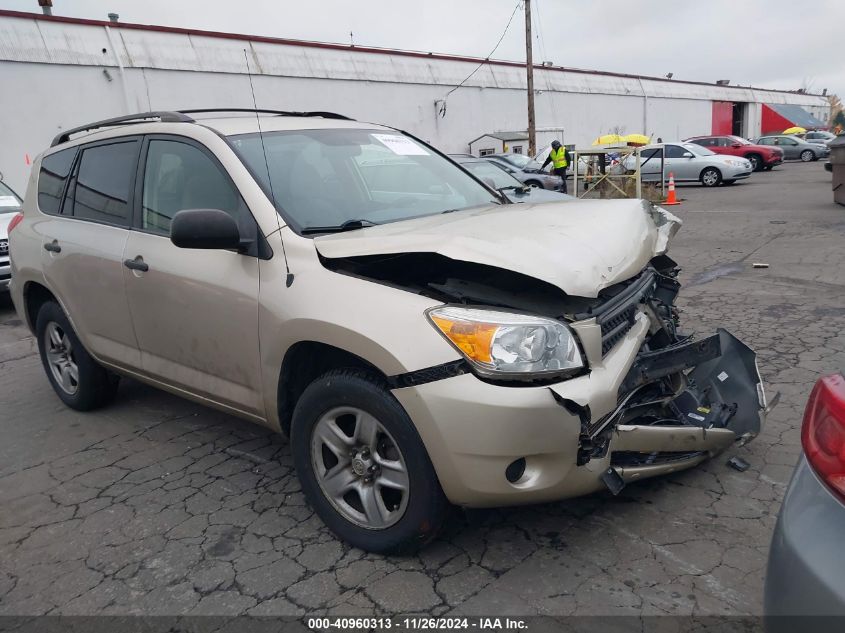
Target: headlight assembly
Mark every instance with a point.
(509, 345)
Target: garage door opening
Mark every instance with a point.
(729, 117)
(738, 118)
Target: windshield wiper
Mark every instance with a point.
(515, 189)
(349, 225)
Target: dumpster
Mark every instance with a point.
(837, 163)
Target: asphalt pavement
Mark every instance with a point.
(155, 505)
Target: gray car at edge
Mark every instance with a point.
(795, 147)
(806, 571)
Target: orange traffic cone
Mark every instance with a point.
(671, 199)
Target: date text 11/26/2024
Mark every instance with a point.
(417, 623)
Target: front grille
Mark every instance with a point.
(615, 328)
(616, 315)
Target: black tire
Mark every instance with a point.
(769, 167)
(95, 386)
(756, 162)
(710, 177)
(533, 183)
(808, 155)
(426, 504)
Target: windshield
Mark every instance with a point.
(324, 178)
(698, 150)
(9, 202)
(485, 170)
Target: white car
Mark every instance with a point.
(689, 162)
(10, 204)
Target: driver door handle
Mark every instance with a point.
(136, 264)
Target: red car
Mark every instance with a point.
(760, 156)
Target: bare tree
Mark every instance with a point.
(807, 84)
(836, 109)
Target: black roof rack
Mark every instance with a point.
(180, 116)
(165, 117)
(324, 115)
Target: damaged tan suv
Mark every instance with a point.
(421, 339)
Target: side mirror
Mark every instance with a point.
(688, 155)
(205, 228)
(736, 144)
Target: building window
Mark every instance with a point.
(517, 149)
(486, 152)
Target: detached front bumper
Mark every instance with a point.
(474, 430)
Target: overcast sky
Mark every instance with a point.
(757, 42)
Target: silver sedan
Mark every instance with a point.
(496, 176)
(525, 170)
(689, 162)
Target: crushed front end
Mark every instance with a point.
(683, 399)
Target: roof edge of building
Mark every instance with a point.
(368, 49)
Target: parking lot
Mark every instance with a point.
(155, 505)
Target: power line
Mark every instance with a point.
(486, 59)
(542, 41)
(539, 25)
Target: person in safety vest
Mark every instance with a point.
(559, 158)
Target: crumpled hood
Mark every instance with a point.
(580, 246)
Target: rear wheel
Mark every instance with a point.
(710, 177)
(756, 162)
(76, 377)
(362, 465)
(807, 155)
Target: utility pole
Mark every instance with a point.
(529, 65)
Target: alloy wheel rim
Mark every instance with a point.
(807, 156)
(755, 163)
(61, 358)
(359, 468)
(710, 178)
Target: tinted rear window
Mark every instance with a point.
(52, 178)
(104, 183)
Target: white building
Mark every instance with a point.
(60, 72)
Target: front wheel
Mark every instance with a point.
(362, 465)
(807, 155)
(711, 177)
(756, 162)
(79, 381)
(533, 183)
(769, 167)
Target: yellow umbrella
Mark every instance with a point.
(637, 139)
(794, 130)
(609, 139)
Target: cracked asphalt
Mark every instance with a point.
(155, 505)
